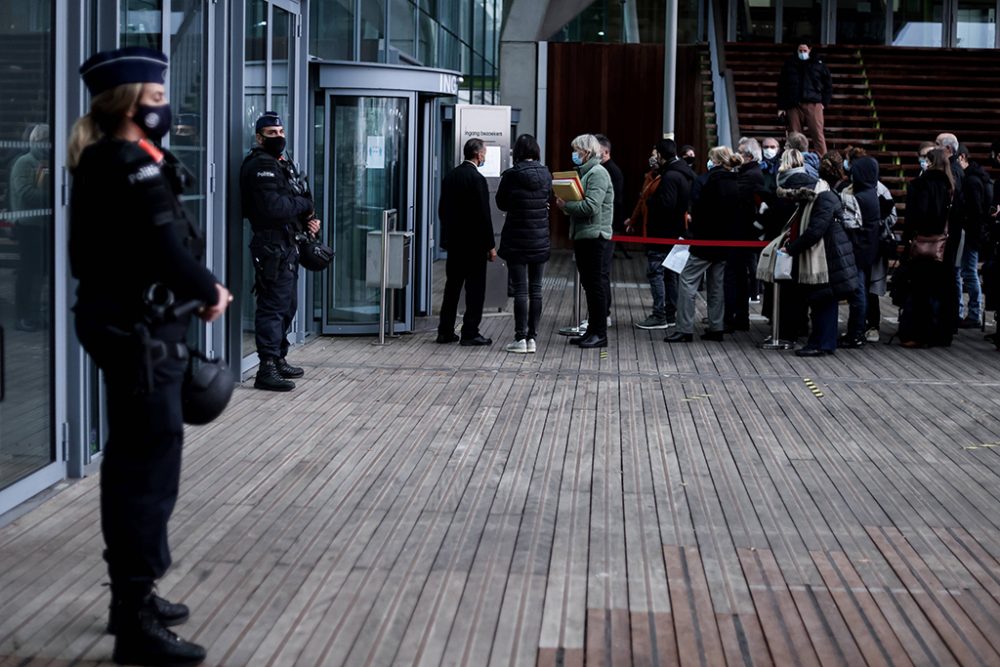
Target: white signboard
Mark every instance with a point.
(376, 153)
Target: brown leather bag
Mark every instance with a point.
(929, 247)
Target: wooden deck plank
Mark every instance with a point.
(652, 505)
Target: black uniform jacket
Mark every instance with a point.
(804, 81)
(128, 230)
(269, 202)
(464, 210)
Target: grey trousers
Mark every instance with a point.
(687, 289)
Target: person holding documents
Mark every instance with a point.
(467, 231)
(590, 230)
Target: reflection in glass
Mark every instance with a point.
(331, 33)
(755, 21)
(372, 31)
(861, 21)
(917, 22)
(427, 33)
(141, 23)
(368, 166)
(403, 16)
(801, 20)
(977, 21)
(26, 250)
(256, 31)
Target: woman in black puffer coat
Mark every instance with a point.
(524, 193)
(823, 292)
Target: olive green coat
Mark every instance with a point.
(591, 217)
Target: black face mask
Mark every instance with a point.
(274, 146)
(690, 160)
(154, 121)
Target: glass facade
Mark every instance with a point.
(460, 35)
(26, 238)
(604, 21)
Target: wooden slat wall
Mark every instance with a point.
(617, 90)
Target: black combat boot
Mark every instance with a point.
(168, 613)
(270, 379)
(286, 370)
(142, 639)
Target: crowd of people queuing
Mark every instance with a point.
(830, 214)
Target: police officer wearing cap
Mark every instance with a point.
(126, 190)
(278, 205)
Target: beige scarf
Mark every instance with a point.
(812, 262)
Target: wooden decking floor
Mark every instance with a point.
(655, 505)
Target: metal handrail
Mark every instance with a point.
(723, 86)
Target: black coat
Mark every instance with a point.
(976, 202)
(713, 216)
(524, 193)
(804, 81)
(864, 182)
(825, 223)
(751, 188)
(671, 201)
(928, 207)
(464, 211)
(618, 184)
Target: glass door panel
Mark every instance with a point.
(141, 23)
(755, 21)
(977, 24)
(917, 22)
(801, 19)
(26, 246)
(861, 21)
(368, 174)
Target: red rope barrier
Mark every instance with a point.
(621, 238)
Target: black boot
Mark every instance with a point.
(168, 613)
(143, 640)
(286, 370)
(268, 377)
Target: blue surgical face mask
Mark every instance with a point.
(770, 153)
(847, 165)
(577, 160)
(710, 164)
(924, 163)
(803, 55)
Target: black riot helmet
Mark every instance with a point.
(207, 389)
(314, 255)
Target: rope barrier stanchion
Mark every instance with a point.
(775, 342)
(574, 329)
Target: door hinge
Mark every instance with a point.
(65, 186)
(298, 26)
(211, 177)
(65, 441)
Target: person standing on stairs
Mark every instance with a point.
(804, 91)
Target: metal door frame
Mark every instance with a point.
(410, 204)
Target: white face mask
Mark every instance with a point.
(770, 153)
(803, 55)
(710, 164)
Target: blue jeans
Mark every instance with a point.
(824, 324)
(526, 280)
(663, 285)
(858, 310)
(969, 283)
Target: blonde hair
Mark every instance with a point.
(724, 157)
(791, 159)
(588, 143)
(107, 110)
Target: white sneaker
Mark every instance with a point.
(518, 347)
(610, 322)
(872, 336)
(531, 346)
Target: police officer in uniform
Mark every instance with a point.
(126, 190)
(278, 205)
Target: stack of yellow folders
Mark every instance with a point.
(567, 185)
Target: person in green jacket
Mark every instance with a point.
(590, 230)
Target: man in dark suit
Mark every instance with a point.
(467, 235)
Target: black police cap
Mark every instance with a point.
(132, 64)
(268, 119)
